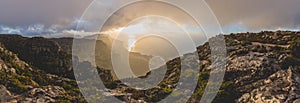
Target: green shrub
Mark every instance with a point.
(16, 86)
(295, 48)
(67, 86)
(3, 77)
(226, 92)
(25, 80)
(63, 101)
(167, 90)
(110, 84)
(40, 80)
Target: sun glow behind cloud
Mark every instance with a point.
(141, 26)
(153, 25)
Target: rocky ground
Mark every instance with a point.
(267, 67)
(261, 67)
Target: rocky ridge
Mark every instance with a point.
(261, 67)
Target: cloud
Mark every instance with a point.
(257, 14)
(8, 30)
(46, 12)
(130, 13)
(42, 30)
(30, 30)
(70, 33)
(36, 17)
(235, 28)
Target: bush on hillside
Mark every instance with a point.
(295, 48)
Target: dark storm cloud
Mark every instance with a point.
(40, 17)
(46, 12)
(257, 14)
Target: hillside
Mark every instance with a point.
(54, 55)
(20, 82)
(41, 53)
(261, 67)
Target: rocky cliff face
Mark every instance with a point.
(41, 53)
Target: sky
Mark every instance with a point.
(55, 17)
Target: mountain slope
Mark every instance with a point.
(54, 55)
(20, 82)
(261, 67)
(41, 53)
